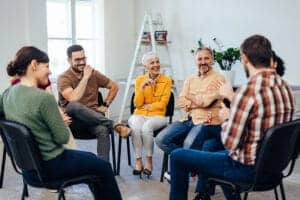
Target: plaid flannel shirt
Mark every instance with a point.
(265, 101)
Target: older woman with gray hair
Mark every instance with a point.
(152, 93)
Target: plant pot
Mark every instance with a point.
(229, 75)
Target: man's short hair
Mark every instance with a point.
(207, 49)
(73, 48)
(258, 50)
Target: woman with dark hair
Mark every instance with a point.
(278, 64)
(38, 110)
(15, 79)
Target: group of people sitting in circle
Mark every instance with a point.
(211, 139)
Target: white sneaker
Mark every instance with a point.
(167, 176)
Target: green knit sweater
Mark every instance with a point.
(37, 110)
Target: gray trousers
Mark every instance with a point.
(88, 121)
(142, 132)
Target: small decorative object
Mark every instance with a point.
(146, 38)
(161, 36)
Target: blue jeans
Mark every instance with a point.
(73, 163)
(186, 134)
(208, 164)
(196, 140)
(213, 145)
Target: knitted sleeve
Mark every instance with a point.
(50, 114)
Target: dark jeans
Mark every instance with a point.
(208, 164)
(212, 145)
(196, 140)
(186, 134)
(73, 163)
(91, 122)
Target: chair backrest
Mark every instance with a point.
(170, 106)
(21, 147)
(277, 150)
(100, 98)
(297, 148)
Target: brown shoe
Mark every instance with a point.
(123, 130)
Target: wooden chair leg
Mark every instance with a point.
(128, 151)
(113, 152)
(2, 167)
(119, 155)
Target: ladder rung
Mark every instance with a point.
(159, 43)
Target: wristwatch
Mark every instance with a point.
(105, 104)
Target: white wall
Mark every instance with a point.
(231, 21)
(119, 37)
(120, 41)
(22, 23)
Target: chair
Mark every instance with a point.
(80, 132)
(169, 113)
(25, 156)
(278, 150)
(77, 132)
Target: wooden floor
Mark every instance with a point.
(132, 188)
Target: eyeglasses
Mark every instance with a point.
(80, 59)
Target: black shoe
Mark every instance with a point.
(202, 196)
(147, 172)
(137, 171)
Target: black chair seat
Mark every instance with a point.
(57, 184)
(81, 132)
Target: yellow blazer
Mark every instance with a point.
(157, 96)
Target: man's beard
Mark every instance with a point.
(203, 69)
(76, 68)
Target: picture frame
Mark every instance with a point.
(146, 38)
(161, 36)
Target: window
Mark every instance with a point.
(74, 22)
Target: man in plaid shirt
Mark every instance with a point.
(266, 100)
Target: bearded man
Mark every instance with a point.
(78, 89)
(200, 102)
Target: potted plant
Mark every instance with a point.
(226, 58)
